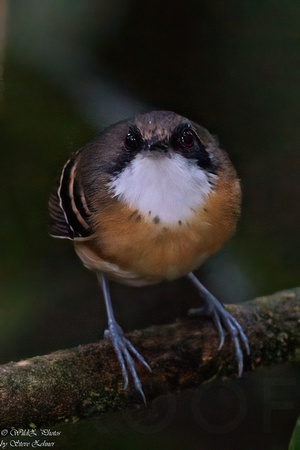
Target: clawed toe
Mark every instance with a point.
(223, 321)
(231, 325)
(125, 352)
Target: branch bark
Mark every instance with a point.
(80, 382)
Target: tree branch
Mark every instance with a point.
(80, 382)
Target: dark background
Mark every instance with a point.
(72, 68)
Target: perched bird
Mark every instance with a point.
(148, 200)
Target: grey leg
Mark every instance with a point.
(222, 320)
(122, 346)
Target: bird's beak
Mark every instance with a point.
(158, 145)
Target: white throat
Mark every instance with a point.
(166, 188)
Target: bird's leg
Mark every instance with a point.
(222, 320)
(124, 349)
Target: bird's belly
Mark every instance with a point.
(134, 251)
(138, 264)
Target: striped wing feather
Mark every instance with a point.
(69, 211)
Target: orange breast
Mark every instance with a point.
(137, 251)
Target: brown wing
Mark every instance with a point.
(69, 211)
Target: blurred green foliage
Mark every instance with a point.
(295, 441)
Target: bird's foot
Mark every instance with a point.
(225, 322)
(125, 352)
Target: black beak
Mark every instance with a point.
(158, 145)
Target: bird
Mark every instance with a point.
(148, 200)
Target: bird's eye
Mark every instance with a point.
(133, 140)
(187, 138)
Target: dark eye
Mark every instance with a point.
(187, 138)
(133, 140)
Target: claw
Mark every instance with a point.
(124, 351)
(223, 322)
(220, 330)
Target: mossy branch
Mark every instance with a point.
(80, 382)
